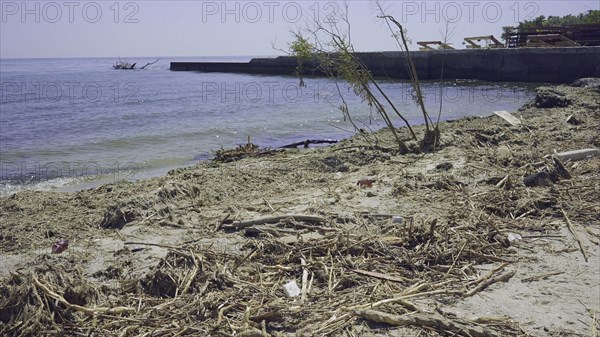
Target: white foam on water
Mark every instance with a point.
(8, 188)
(74, 184)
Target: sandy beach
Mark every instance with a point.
(491, 235)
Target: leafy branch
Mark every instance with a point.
(330, 50)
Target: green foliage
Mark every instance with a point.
(301, 48)
(348, 69)
(592, 16)
(342, 65)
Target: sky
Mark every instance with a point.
(156, 28)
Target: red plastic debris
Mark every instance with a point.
(365, 182)
(60, 246)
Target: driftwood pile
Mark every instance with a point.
(346, 273)
(241, 151)
(252, 150)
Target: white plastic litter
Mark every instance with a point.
(512, 237)
(291, 289)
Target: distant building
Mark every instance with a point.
(553, 36)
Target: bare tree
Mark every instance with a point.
(446, 36)
(327, 45)
(431, 138)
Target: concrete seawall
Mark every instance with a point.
(555, 65)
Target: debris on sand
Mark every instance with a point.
(242, 151)
(60, 246)
(440, 245)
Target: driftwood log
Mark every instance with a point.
(274, 219)
(307, 142)
(434, 321)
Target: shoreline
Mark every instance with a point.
(73, 180)
(167, 129)
(139, 244)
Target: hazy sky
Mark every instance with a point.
(223, 28)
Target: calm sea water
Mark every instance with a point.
(79, 122)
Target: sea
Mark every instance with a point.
(73, 123)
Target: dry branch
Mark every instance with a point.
(273, 220)
(491, 280)
(308, 142)
(381, 276)
(428, 320)
(149, 63)
(86, 310)
(575, 236)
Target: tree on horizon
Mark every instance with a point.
(590, 17)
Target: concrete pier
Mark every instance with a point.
(554, 65)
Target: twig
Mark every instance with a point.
(150, 63)
(456, 258)
(274, 219)
(222, 222)
(502, 182)
(575, 236)
(307, 142)
(222, 312)
(192, 275)
(151, 244)
(86, 310)
(381, 276)
(269, 204)
(304, 279)
(247, 257)
(489, 281)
